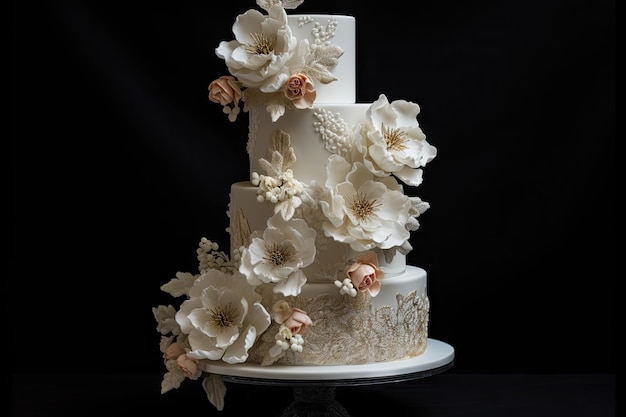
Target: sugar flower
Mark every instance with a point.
(365, 275)
(301, 91)
(287, 4)
(275, 69)
(278, 254)
(262, 51)
(363, 210)
(294, 318)
(279, 186)
(286, 340)
(293, 322)
(223, 317)
(189, 366)
(226, 90)
(393, 142)
(173, 351)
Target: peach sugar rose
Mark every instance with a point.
(173, 351)
(189, 366)
(295, 319)
(301, 91)
(365, 275)
(225, 90)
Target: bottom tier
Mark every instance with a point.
(356, 330)
(438, 357)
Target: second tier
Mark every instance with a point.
(248, 215)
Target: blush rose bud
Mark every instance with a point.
(173, 351)
(189, 366)
(293, 318)
(301, 91)
(365, 275)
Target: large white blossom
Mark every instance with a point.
(222, 316)
(278, 254)
(392, 141)
(264, 53)
(362, 209)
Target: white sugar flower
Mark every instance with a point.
(392, 141)
(278, 254)
(263, 53)
(223, 317)
(287, 4)
(363, 210)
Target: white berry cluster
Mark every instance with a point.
(231, 112)
(286, 340)
(278, 189)
(210, 257)
(334, 131)
(323, 34)
(346, 287)
(295, 342)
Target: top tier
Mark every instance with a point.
(281, 62)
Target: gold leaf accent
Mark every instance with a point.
(240, 231)
(321, 61)
(280, 153)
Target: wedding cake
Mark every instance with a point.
(316, 272)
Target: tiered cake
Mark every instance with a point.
(316, 273)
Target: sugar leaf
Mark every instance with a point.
(180, 285)
(215, 390)
(172, 378)
(321, 61)
(166, 319)
(281, 154)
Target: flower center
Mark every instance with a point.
(295, 85)
(262, 45)
(362, 207)
(394, 138)
(277, 255)
(223, 316)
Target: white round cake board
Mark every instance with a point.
(437, 354)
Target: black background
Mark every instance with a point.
(119, 164)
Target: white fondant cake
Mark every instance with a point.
(316, 273)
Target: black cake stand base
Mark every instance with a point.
(314, 401)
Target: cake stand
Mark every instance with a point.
(314, 387)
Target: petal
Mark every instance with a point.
(236, 303)
(292, 285)
(410, 176)
(246, 24)
(226, 336)
(374, 289)
(182, 315)
(203, 347)
(259, 318)
(238, 351)
(301, 317)
(384, 159)
(406, 113)
(280, 311)
(256, 251)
